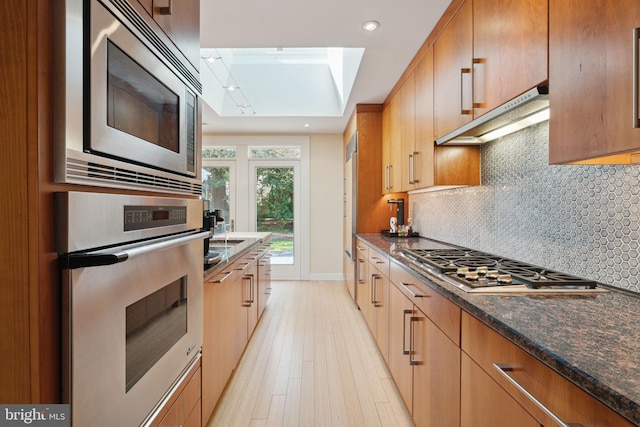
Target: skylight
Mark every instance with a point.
(279, 82)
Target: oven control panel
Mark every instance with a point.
(143, 217)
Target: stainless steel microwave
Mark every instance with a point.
(128, 110)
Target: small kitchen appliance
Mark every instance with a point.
(129, 109)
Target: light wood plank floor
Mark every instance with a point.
(311, 362)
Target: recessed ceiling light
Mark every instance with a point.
(307, 125)
(370, 25)
(231, 88)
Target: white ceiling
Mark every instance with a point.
(404, 25)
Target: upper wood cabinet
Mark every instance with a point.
(391, 145)
(408, 140)
(591, 74)
(453, 54)
(180, 21)
(490, 52)
(510, 39)
(408, 134)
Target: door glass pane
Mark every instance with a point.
(274, 210)
(217, 189)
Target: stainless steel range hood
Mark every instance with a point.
(527, 109)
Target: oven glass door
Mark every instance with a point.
(140, 111)
(134, 326)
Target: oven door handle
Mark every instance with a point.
(117, 255)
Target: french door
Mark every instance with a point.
(274, 206)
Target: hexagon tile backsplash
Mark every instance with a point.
(583, 220)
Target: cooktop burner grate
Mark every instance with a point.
(480, 269)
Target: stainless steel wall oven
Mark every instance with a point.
(128, 113)
(132, 285)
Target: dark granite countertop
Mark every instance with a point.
(593, 341)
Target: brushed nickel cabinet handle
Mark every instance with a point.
(404, 331)
(463, 71)
(412, 351)
(166, 10)
(225, 277)
(410, 168)
(413, 294)
(413, 168)
(374, 289)
(246, 302)
(390, 177)
(504, 368)
(386, 177)
(636, 76)
(359, 269)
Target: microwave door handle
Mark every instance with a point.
(95, 259)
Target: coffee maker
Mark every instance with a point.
(210, 218)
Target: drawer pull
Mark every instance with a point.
(225, 277)
(504, 368)
(413, 294)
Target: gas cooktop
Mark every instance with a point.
(476, 269)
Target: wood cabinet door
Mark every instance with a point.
(591, 74)
(391, 145)
(240, 326)
(218, 341)
(381, 310)
(436, 375)
(400, 312)
(623, 17)
(264, 282)
(251, 281)
(423, 161)
(485, 404)
(362, 281)
(510, 39)
(181, 25)
(408, 133)
(452, 64)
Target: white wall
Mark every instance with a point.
(326, 194)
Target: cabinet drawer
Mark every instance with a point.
(362, 249)
(526, 378)
(444, 313)
(379, 261)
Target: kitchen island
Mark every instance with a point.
(592, 340)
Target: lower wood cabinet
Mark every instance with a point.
(424, 363)
(231, 301)
(264, 280)
(485, 403)
(502, 385)
(218, 344)
(453, 370)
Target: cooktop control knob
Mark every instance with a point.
(504, 278)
